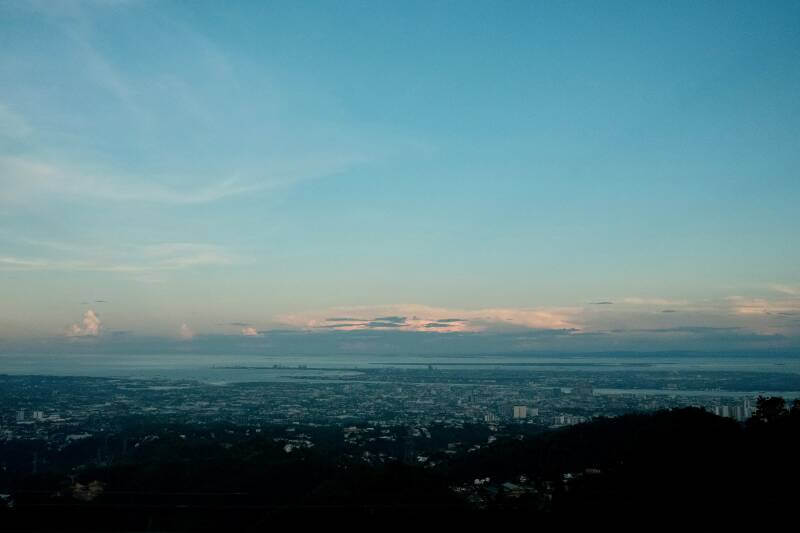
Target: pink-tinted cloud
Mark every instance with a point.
(764, 306)
(185, 332)
(89, 327)
(413, 317)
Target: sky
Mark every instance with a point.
(523, 175)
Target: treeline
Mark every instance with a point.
(678, 461)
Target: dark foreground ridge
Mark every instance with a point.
(225, 478)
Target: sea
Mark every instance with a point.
(222, 369)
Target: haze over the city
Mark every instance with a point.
(413, 177)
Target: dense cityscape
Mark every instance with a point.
(461, 425)
(51, 407)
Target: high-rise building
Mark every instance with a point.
(520, 411)
(748, 408)
(737, 412)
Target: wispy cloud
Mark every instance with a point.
(25, 179)
(30, 179)
(145, 259)
(164, 105)
(694, 330)
(635, 300)
(764, 306)
(790, 290)
(17, 263)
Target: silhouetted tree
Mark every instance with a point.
(795, 410)
(769, 409)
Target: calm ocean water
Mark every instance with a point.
(223, 368)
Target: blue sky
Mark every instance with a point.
(230, 170)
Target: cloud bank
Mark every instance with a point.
(413, 317)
